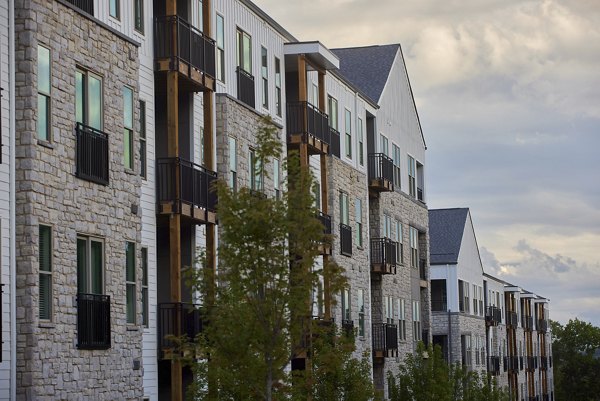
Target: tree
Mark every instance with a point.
(576, 349)
(267, 250)
(426, 376)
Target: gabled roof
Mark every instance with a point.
(446, 228)
(368, 67)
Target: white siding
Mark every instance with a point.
(470, 268)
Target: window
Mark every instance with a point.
(138, 15)
(315, 95)
(45, 260)
(200, 23)
(389, 309)
(467, 357)
(401, 319)
(346, 309)
(278, 86)
(220, 48)
(387, 226)
(414, 247)
(130, 281)
(348, 128)
(44, 89)
(383, 145)
(233, 163)
(317, 194)
(88, 99)
(416, 311)
(466, 297)
(398, 239)
(412, 190)
(480, 301)
(244, 51)
(358, 219)
(439, 298)
(332, 107)
(256, 173)
(143, 145)
(396, 157)
(277, 178)
(344, 208)
(361, 313)
(265, 77)
(114, 8)
(145, 300)
(461, 296)
(359, 130)
(90, 265)
(128, 127)
(475, 303)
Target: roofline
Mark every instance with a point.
(412, 96)
(474, 236)
(360, 93)
(258, 11)
(523, 290)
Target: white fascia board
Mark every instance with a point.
(316, 52)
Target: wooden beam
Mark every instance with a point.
(302, 95)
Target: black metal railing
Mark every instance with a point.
(527, 322)
(348, 327)
(383, 253)
(177, 40)
(423, 269)
(306, 119)
(381, 167)
(245, 87)
(177, 319)
(493, 315)
(513, 363)
(439, 306)
(91, 154)
(345, 240)
(325, 219)
(543, 362)
(542, 325)
(385, 337)
(493, 365)
(420, 194)
(83, 5)
(181, 181)
(334, 143)
(530, 362)
(93, 321)
(521, 365)
(511, 319)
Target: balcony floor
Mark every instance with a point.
(195, 214)
(380, 185)
(315, 146)
(193, 80)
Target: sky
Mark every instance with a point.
(508, 94)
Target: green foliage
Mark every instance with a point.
(425, 376)
(267, 250)
(576, 364)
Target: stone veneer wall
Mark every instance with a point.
(405, 283)
(49, 365)
(236, 119)
(343, 177)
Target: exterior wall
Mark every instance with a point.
(356, 268)
(6, 209)
(49, 193)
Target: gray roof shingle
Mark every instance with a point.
(446, 228)
(367, 67)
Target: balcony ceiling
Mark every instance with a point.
(319, 57)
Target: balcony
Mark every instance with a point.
(84, 5)
(345, 240)
(381, 173)
(93, 321)
(513, 363)
(245, 87)
(527, 322)
(334, 145)
(178, 46)
(186, 188)
(493, 316)
(307, 124)
(385, 340)
(511, 319)
(493, 365)
(544, 362)
(423, 273)
(325, 220)
(348, 327)
(176, 319)
(383, 255)
(542, 325)
(530, 363)
(91, 154)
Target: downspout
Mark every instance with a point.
(12, 242)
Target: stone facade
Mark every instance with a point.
(50, 366)
(343, 177)
(405, 284)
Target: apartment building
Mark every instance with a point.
(118, 116)
(483, 322)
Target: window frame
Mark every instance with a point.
(220, 45)
(358, 222)
(138, 20)
(412, 176)
(417, 335)
(240, 43)
(85, 106)
(399, 238)
(361, 312)
(361, 143)
(333, 112)
(277, 178)
(344, 208)
(117, 10)
(130, 284)
(384, 144)
(397, 160)
(46, 95)
(256, 171)
(89, 284)
(278, 105)
(348, 133)
(143, 140)
(346, 304)
(47, 273)
(264, 69)
(233, 162)
(402, 319)
(144, 288)
(128, 130)
(414, 247)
